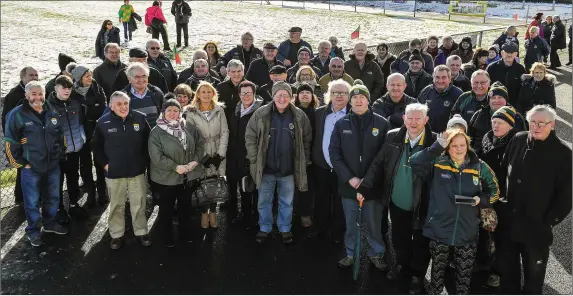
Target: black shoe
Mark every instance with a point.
(261, 237)
(62, 216)
(379, 263)
(568, 64)
(178, 45)
(36, 241)
(55, 228)
(78, 212)
(395, 273)
(337, 238)
(169, 242)
(287, 237)
(90, 203)
(416, 286)
(145, 240)
(116, 243)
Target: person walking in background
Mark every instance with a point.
(535, 48)
(182, 12)
(535, 23)
(107, 34)
(125, 12)
(547, 28)
(558, 41)
(509, 36)
(570, 44)
(155, 19)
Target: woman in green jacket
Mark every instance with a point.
(175, 152)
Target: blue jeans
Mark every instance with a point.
(371, 217)
(46, 185)
(265, 204)
(126, 31)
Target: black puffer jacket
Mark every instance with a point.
(228, 95)
(536, 93)
(370, 74)
(315, 62)
(558, 38)
(392, 111)
(480, 124)
(414, 89)
(259, 71)
(14, 98)
(547, 28)
(94, 103)
(402, 62)
(164, 66)
(510, 77)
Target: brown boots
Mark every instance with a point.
(208, 219)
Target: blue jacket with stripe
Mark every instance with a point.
(71, 121)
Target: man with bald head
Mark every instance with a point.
(335, 71)
(361, 66)
(393, 104)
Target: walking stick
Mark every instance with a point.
(356, 266)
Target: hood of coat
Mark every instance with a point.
(549, 78)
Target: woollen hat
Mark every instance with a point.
(304, 48)
(416, 56)
(506, 113)
(169, 103)
(79, 71)
(498, 89)
(281, 85)
(304, 86)
(64, 60)
(359, 89)
(457, 119)
(137, 52)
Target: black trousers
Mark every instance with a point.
(570, 49)
(69, 168)
(249, 202)
(155, 35)
(411, 247)
(534, 261)
(168, 196)
(464, 259)
(86, 165)
(328, 213)
(304, 200)
(185, 29)
(483, 256)
(19, 196)
(554, 58)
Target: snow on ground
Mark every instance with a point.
(34, 32)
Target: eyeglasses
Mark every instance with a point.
(305, 75)
(482, 83)
(337, 66)
(155, 48)
(246, 94)
(138, 77)
(339, 93)
(540, 123)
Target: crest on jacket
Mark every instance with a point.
(375, 132)
(446, 103)
(54, 121)
(476, 180)
(136, 127)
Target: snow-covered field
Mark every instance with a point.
(34, 32)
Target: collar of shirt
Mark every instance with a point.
(341, 112)
(138, 95)
(419, 140)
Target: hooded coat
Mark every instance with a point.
(536, 92)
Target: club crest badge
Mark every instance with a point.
(291, 126)
(476, 180)
(375, 132)
(356, 91)
(136, 127)
(446, 103)
(54, 121)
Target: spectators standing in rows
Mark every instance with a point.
(404, 193)
(304, 56)
(155, 19)
(328, 213)
(392, 105)
(305, 74)
(144, 97)
(459, 78)
(156, 59)
(228, 90)
(246, 52)
(288, 50)
(276, 74)
(438, 56)
(558, 41)
(384, 59)
(535, 48)
(478, 62)
(259, 69)
(120, 147)
(509, 36)
(335, 51)
(322, 59)
(35, 143)
(106, 72)
(206, 114)
(201, 72)
(63, 61)
(139, 55)
(335, 71)
(361, 65)
(471, 101)
(277, 139)
(536, 22)
(175, 153)
(15, 97)
(508, 72)
(125, 12)
(493, 54)
(465, 50)
(440, 98)
(537, 88)
(535, 203)
(182, 12)
(183, 94)
(416, 77)
(401, 64)
(355, 141)
(107, 34)
(92, 97)
(448, 45)
(213, 54)
(480, 123)
(237, 163)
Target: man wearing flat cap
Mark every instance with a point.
(288, 49)
(277, 139)
(276, 74)
(508, 72)
(155, 78)
(258, 72)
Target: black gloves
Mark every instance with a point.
(214, 160)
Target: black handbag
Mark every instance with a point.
(156, 23)
(211, 190)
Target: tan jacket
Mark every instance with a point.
(214, 131)
(325, 79)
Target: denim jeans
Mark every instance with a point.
(46, 185)
(371, 217)
(126, 31)
(265, 204)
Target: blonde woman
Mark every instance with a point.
(207, 115)
(537, 88)
(307, 74)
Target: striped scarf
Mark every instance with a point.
(174, 128)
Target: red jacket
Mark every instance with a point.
(535, 23)
(154, 12)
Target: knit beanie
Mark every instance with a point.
(64, 60)
(304, 48)
(481, 53)
(498, 89)
(467, 39)
(457, 119)
(79, 71)
(359, 89)
(494, 48)
(304, 86)
(506, 113)
(281, 85)
(416, 56)
(169, 103)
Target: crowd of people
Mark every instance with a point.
(455, 145)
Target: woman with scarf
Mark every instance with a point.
(384, 59)
(478, 62)
(305, 74)
(107, 34)
(438, 56)
(207, 115)
(93, 99)
(175, 151)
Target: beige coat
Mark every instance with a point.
(214, 131)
